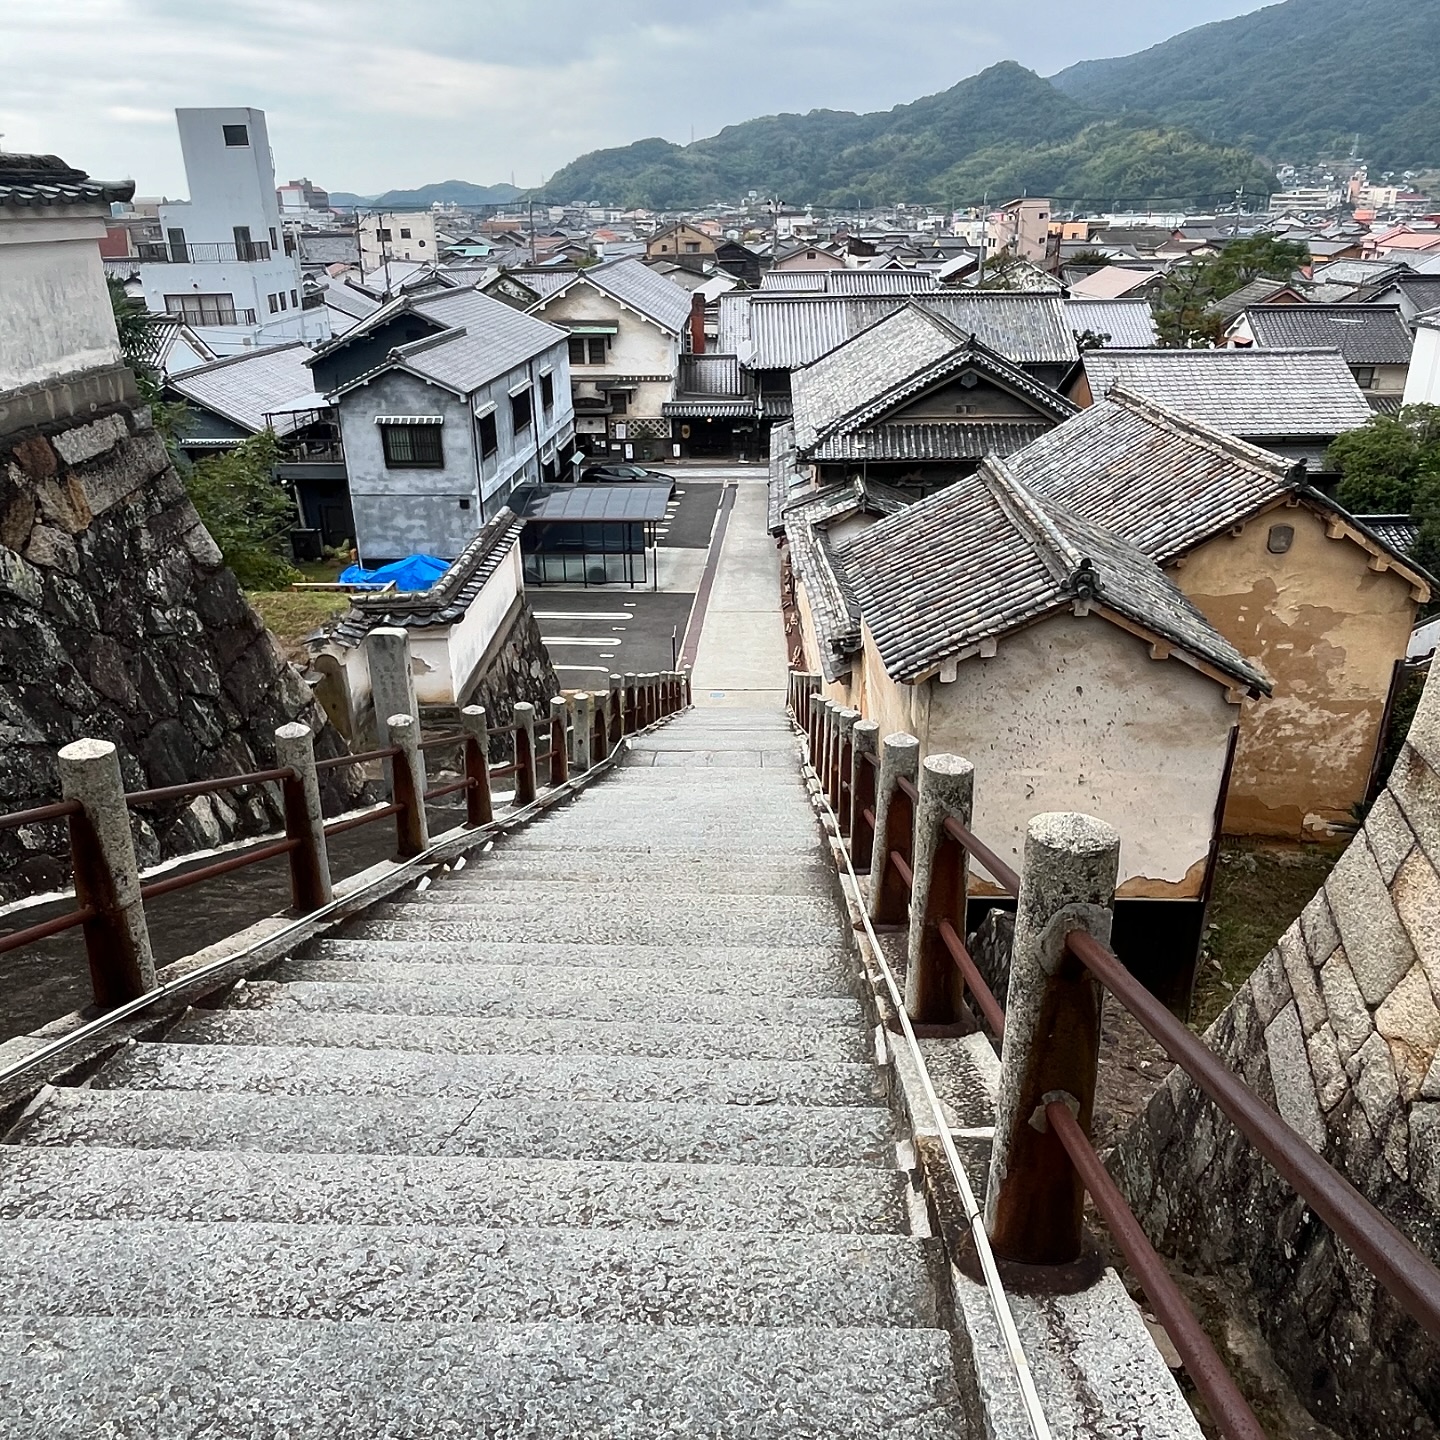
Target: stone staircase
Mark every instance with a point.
(585, 1139)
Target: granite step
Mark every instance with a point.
(461, 1274)
(651, 920)
(663, 841)
(278, 1070)
(641, 969)
(41, 1182)
(632, 1132)
(788, 970)
(331, 988)
(638, 1035)
(633, 875)
(136, 1380)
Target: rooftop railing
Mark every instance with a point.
(156, 252)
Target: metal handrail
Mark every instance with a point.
(191, 788)
(46, 928)
(386, 752)
(275, 848)
(41, 814)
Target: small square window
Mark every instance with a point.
(404, 234)
(489, 435)
(577, 349)
(274, 304)
(1280, 539)
(619, 402)
(237, 137)
(547, 392)
(520, 411)
(412, 447)
(597, 349)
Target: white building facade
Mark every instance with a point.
(387, 235)
(221, 264)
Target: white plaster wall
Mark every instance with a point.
(1422, 385)
(55, 315)
(470, 637)
(1072, 714)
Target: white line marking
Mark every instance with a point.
(588, 669)
(576, 640)
(582, 614)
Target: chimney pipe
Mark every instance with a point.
(697, 323)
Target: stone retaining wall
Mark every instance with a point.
(119, 621)
(1338, 1029)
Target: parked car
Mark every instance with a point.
(621, 474)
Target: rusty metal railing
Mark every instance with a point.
(110, 897)
(890, 829)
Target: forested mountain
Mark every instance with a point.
(1293, 81)
(447, 192)
(1003, 132)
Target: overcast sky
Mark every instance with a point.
(368, 94)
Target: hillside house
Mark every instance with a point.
(990, 622)
(1306, 592)
(626, 326)
(448, 400)
(677, 242)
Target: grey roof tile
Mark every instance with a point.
(931, 440)
(1363, 334)
(1156, 478)
(986, 556)
(34, 181)
(1129, 324)
(1256, 394)
(638, 286)
(849, 282)
(246, 388)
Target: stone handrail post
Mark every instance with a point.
(631, 712)
(894, 826)
(939, 887)
(584, 730)
(864, 746)
(687, 697)
(559, 739)
(526, 781)
(392, 686)
(616, 727)
(310, 886)
(845, 722)
(1035, 1203)
(407, 789)
(479, 808)
(107, 876)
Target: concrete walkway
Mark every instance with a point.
(742, 659)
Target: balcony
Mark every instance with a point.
(152, 252)
(213, 315)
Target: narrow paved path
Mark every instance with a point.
(742, 659)
(586, 1140)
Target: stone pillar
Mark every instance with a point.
(525, 779)
(632, 704)
(392, 686)
(107, 877)
(304, 820)
(1035, 1202)
(559, 740)
(947, 787)
(584, 730)
(894, 817)
(845, 721)
(864, 744)
(412, 829)
(616, 726)
(479, 807)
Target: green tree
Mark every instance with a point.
(1391, 466)
(1249, 259)
(247, 514)
(1183, 316)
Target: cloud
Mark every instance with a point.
(368, 95)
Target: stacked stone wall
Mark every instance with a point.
(1338, 1029)
(119, 621)
(518, 667)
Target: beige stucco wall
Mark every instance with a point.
(1327, 629)
(1073, 714)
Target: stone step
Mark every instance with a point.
(529, 1035)
(657, 841)
(462, 1274)
(332, 988)
(629, 874)
(278, 1070)
(328, 1123)
(709, 968)
(41, 1182)
(137, 1380)
(653, 920)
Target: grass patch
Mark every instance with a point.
(293, 614)
(1260, 887)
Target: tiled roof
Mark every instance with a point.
(784, 332)
(931, 440)
(641, 288)
(1257, 394)
(451, 595)
(717, 375)
(1130, 324)
(1422, 291)
(1257, 292)
(786, 480)
(848, 282)
(1398, 532)
(1155, 477)
(985, 556)
(899, 357)
(1111, 283)
(34, 181)
(1363, 334)
(807, 521)
(483, 338)
(246, 388)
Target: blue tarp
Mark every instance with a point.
(415, 572)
